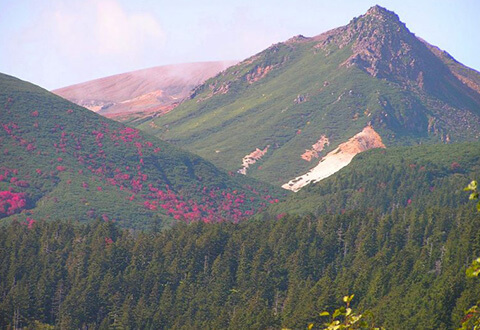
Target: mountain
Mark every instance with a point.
(62, 161)
(143, 92)
(278, 115)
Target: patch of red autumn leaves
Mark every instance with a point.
(11, 202)
(29, 222)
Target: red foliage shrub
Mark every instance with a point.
(22, 183)
(455, 166)
(11, 202)
(29, 223)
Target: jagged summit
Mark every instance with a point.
(380, 18)
(384, 47)
(381, 12)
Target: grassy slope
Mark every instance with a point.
(265, 114)
(78, 165)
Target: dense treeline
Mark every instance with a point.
(407, 266)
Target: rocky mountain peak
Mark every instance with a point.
(381, 12)
(384, 47)
(379, 19)
(375, 29)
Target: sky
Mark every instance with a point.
(57, 43)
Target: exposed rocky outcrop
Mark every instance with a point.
(297, 39)
(301, 98)
(316, 148)
(258, 73)
(251, 159)
(215, 89)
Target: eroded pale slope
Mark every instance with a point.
(338, 158)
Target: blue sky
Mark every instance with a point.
(55, 43)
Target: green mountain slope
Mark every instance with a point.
(61, 161)
(298, 100)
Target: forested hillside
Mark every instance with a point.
(407, 266)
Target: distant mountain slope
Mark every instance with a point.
(61, 161)
(294, 96)
(147, 91)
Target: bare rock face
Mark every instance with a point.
(251, 159)
(258, 73)
(317, 147)
(384, 47)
